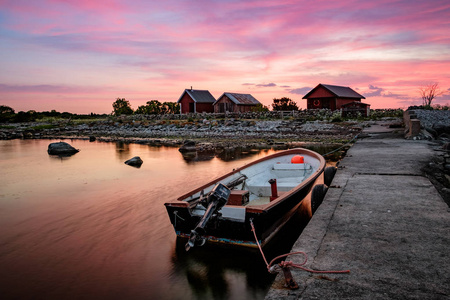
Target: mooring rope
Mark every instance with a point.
(176, 215)
(285, 264)
(348, 143)
(257, 242)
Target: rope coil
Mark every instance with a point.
(286, 264)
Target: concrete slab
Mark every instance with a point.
(379, 127)
(382, 220)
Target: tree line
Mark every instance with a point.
(8, 114)
(123, 107)
(153, 107)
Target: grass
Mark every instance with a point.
(44, 126)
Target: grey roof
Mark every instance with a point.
(240, 99)
(338, 91)
(199, 96)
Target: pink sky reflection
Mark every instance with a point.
(79, 56)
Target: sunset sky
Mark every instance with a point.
(80, 55)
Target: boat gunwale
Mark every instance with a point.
(262, 207)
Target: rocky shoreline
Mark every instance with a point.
(238, 136)
(206, 134)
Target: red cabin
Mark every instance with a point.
(234, 102)
(334, 97)
(196, 101)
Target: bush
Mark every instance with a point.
(122, 107)
(6, 113)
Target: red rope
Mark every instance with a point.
(284, 264)
(257, 242)
(300, 266)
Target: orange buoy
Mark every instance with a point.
(297, 159)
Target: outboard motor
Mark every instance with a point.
(216, 199)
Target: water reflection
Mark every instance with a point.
(208, 269)
(94, 227)
(194, 156)
(238, 153)
(61, 157)
(122, 149)
(235, 153)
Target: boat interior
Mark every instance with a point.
(253, 185)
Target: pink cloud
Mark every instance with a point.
(145, 47)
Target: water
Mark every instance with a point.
(88, 226)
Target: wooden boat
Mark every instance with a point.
(264, 193)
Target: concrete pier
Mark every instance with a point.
(382, 220)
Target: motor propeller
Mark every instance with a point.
(215, 200)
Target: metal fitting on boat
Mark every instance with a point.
(273, 187)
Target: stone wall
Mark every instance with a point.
(300, 114)
(427, 124)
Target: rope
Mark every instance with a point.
(257, 242)
(348, 143)
(285, 264)
(300, 266)
(176, 215)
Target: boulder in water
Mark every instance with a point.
(61, 148)
(135, 162)
(188, 146)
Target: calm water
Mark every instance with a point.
(91, 227)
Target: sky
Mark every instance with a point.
(79, 56)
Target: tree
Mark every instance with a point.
(6, 113)
(154, 107)
(29, 116)
(260, 108)
(171, 108)
(122, 107)
(284, 104)
(141, 110)
(429, 92)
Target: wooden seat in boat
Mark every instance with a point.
(280, 166)
(263, 189)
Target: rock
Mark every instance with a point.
(135, 162)
(188, 146)
(61, 148)
(444, 136)
(441, 129)
(27, 135)
(431, 131)
(447, 167)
